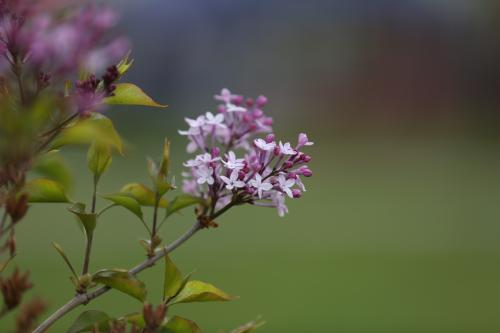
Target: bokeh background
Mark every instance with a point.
(399, 229)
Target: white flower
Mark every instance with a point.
(225, 96)
(232, 181)
(262, 144)
(260, 185)
(286, 149)
(198, 122)
(233, 108)
(303, 141)
(234, 163)
(279, 202)
(300, 184)
(214, 120)
(206, 158)
(190, 131)
(286, 184)
(205, 175)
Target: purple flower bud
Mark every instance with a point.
(270, 138)
(221, 109)
(238, 100)
(305, 171)
(306, 158)
(268, 121)
(296, 193)
(215, 152)
(291, 175)
(247, 118)
(261, 101)
(288, 164)
(276, 151)
(241, 175)
(249, 102)
(258, 113)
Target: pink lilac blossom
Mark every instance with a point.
(238, 159)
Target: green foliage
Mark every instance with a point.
(130, 94)
(89, 320)
(97, 128)
(177, 324)
(250, 326)
(87, 220)
(98, 159)
(198, 291)
(182, 201)
(173, 281)
(159, 173)
(60, 250)
(123, 281)
(125, 64)
(143, 195)
(45, 190)
(126, 201)
(52, 166)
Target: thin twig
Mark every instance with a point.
(89, 296)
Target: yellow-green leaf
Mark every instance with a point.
(85, 131)
(182, 201)
(144, 195)
(126, 201)
(60, 250)
(123, 281)
(198, 291)
(173, 279)
(98, 159)
(45, 190)
(87, 220)
(88, 320)
(177, 324)
(249, 327)
(130, 94)
(124, 65)
(51, 165)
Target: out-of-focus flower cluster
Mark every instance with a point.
(52, 46)
(58, 41)
(266, 171)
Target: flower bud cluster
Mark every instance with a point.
(266, 171)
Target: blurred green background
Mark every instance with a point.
(398, 231)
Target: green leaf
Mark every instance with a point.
(177, 324)
(98, 159)
(88, 320)
(86, 131)
(125, 64)
(130, 94)
(60, 250)
(173, 279)
(249, 327)
(52, 166)
(125, 201)
(135, 319)
(87, 220)
(142, 194)
(45, 190)
(182, 201)
(198, 291)
(123, 281)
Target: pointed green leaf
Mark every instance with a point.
(98, 159)
(130, 94)
(125, 201)
(198, 291)
(177, 324)
(125, 64)
(173, 279)
(88, 320)
(123, 281)
(182, 201)
(86, 131)
(60, 250)
(52, 166)
(87, 220)
(142, 194)
(45, 190)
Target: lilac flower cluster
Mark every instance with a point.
(265, 174)
(62, 43)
